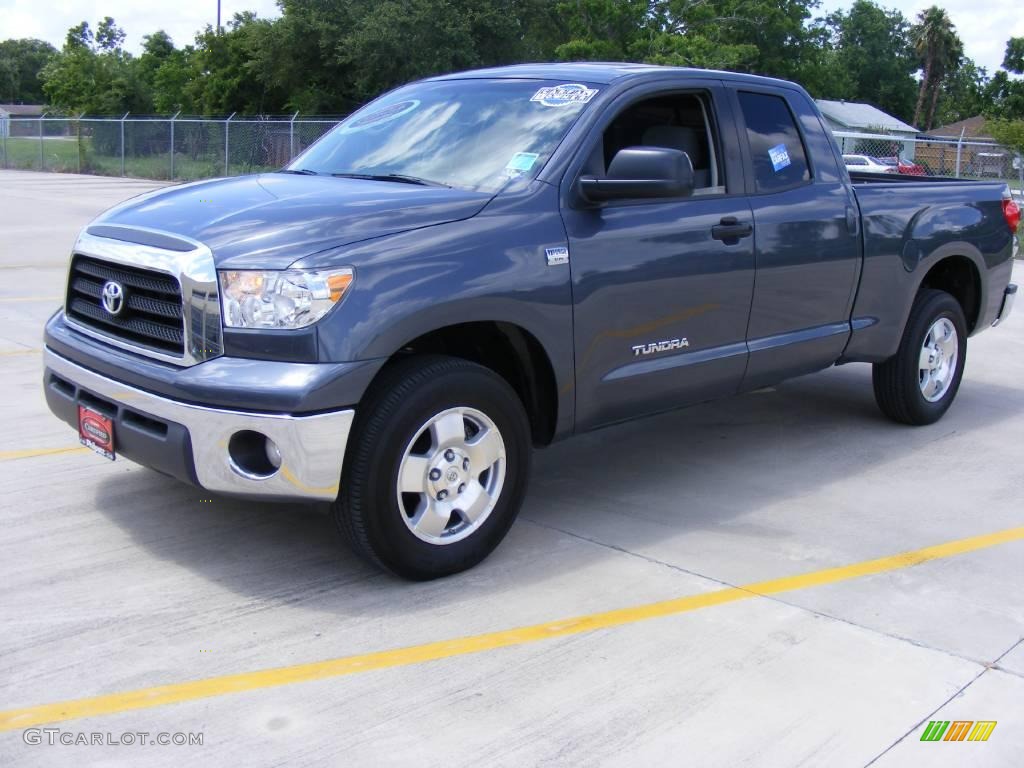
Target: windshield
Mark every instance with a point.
(470, 134)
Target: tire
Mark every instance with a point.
(904, 390)
(409, 431)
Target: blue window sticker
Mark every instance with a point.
(780, 157)
(521, 162)
(564, 95)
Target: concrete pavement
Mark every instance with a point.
(114, 578)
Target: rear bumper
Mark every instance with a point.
(1009, 296)
(194, 443)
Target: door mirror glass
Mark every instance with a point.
(641, 172)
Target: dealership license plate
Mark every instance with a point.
(96, 431)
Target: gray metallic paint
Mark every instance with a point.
(426, 258)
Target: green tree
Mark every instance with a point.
(964, 94)
(1009, 133)
(225, 72)
(93, 74)
(166, 72)
(21, 61)
(1006, 93)
(868, 58)
(939, 51)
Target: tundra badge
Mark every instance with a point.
(659, 346)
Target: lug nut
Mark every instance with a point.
(465, 464)
(449, 455)
(435, 474)
(462, 488)
(442, 495)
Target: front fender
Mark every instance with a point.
(491, 267)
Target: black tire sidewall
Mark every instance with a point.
(392, 424)
(934, 306)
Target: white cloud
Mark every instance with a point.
(983, 26)
(50, 19)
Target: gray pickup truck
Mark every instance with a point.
(476, 265)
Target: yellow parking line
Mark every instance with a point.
(348, 665)
(11, 299)
(41, 265)
(13, 352)
(33, 452)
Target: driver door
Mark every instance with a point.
(661, 288)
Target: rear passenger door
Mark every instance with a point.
(806, 240)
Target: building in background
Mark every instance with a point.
(15, 111)
(967, 143)
(855, 117)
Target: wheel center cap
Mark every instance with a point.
(452, 475)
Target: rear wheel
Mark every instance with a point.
(437, 470)
(918, 384)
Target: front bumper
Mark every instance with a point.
(194, 443)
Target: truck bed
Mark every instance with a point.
(906, 223)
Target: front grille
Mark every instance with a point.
(151, 317)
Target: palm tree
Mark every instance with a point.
(940, 50)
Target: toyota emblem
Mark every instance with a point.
(112, 297)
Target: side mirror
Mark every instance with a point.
(641, 172)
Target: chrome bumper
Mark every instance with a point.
(311, 447)
(1009, 296)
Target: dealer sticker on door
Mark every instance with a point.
(779, 157)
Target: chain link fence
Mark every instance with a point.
(203, 148)
(142, 147)
(931, 156)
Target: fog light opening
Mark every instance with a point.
(253, 455)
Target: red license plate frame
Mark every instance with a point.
(96, 431)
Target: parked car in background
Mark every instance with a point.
(866, 164)
(905, 167)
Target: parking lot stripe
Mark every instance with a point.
(9, 299)
(400, 657)
(13, 352)
(33, 452)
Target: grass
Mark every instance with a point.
(68, 155)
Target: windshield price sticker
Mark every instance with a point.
(564, 95)
(521, 162)
(779, 156)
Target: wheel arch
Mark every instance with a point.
(509, 350)
(958, 275)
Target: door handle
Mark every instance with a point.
(730, 228)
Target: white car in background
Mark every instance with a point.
(867, 163)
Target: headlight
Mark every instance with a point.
(293, 298)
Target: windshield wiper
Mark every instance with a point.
(299, 171)
(399, 177)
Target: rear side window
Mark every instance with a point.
(780, 161)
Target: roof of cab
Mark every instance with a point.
(604, 72)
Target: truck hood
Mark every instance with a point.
(271, 220)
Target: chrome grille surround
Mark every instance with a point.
(196, 274)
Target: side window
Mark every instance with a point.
(780, 161)
(678, 121)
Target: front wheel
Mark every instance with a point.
(918, 384)
(438, 469)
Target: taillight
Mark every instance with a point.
(1011, 211)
